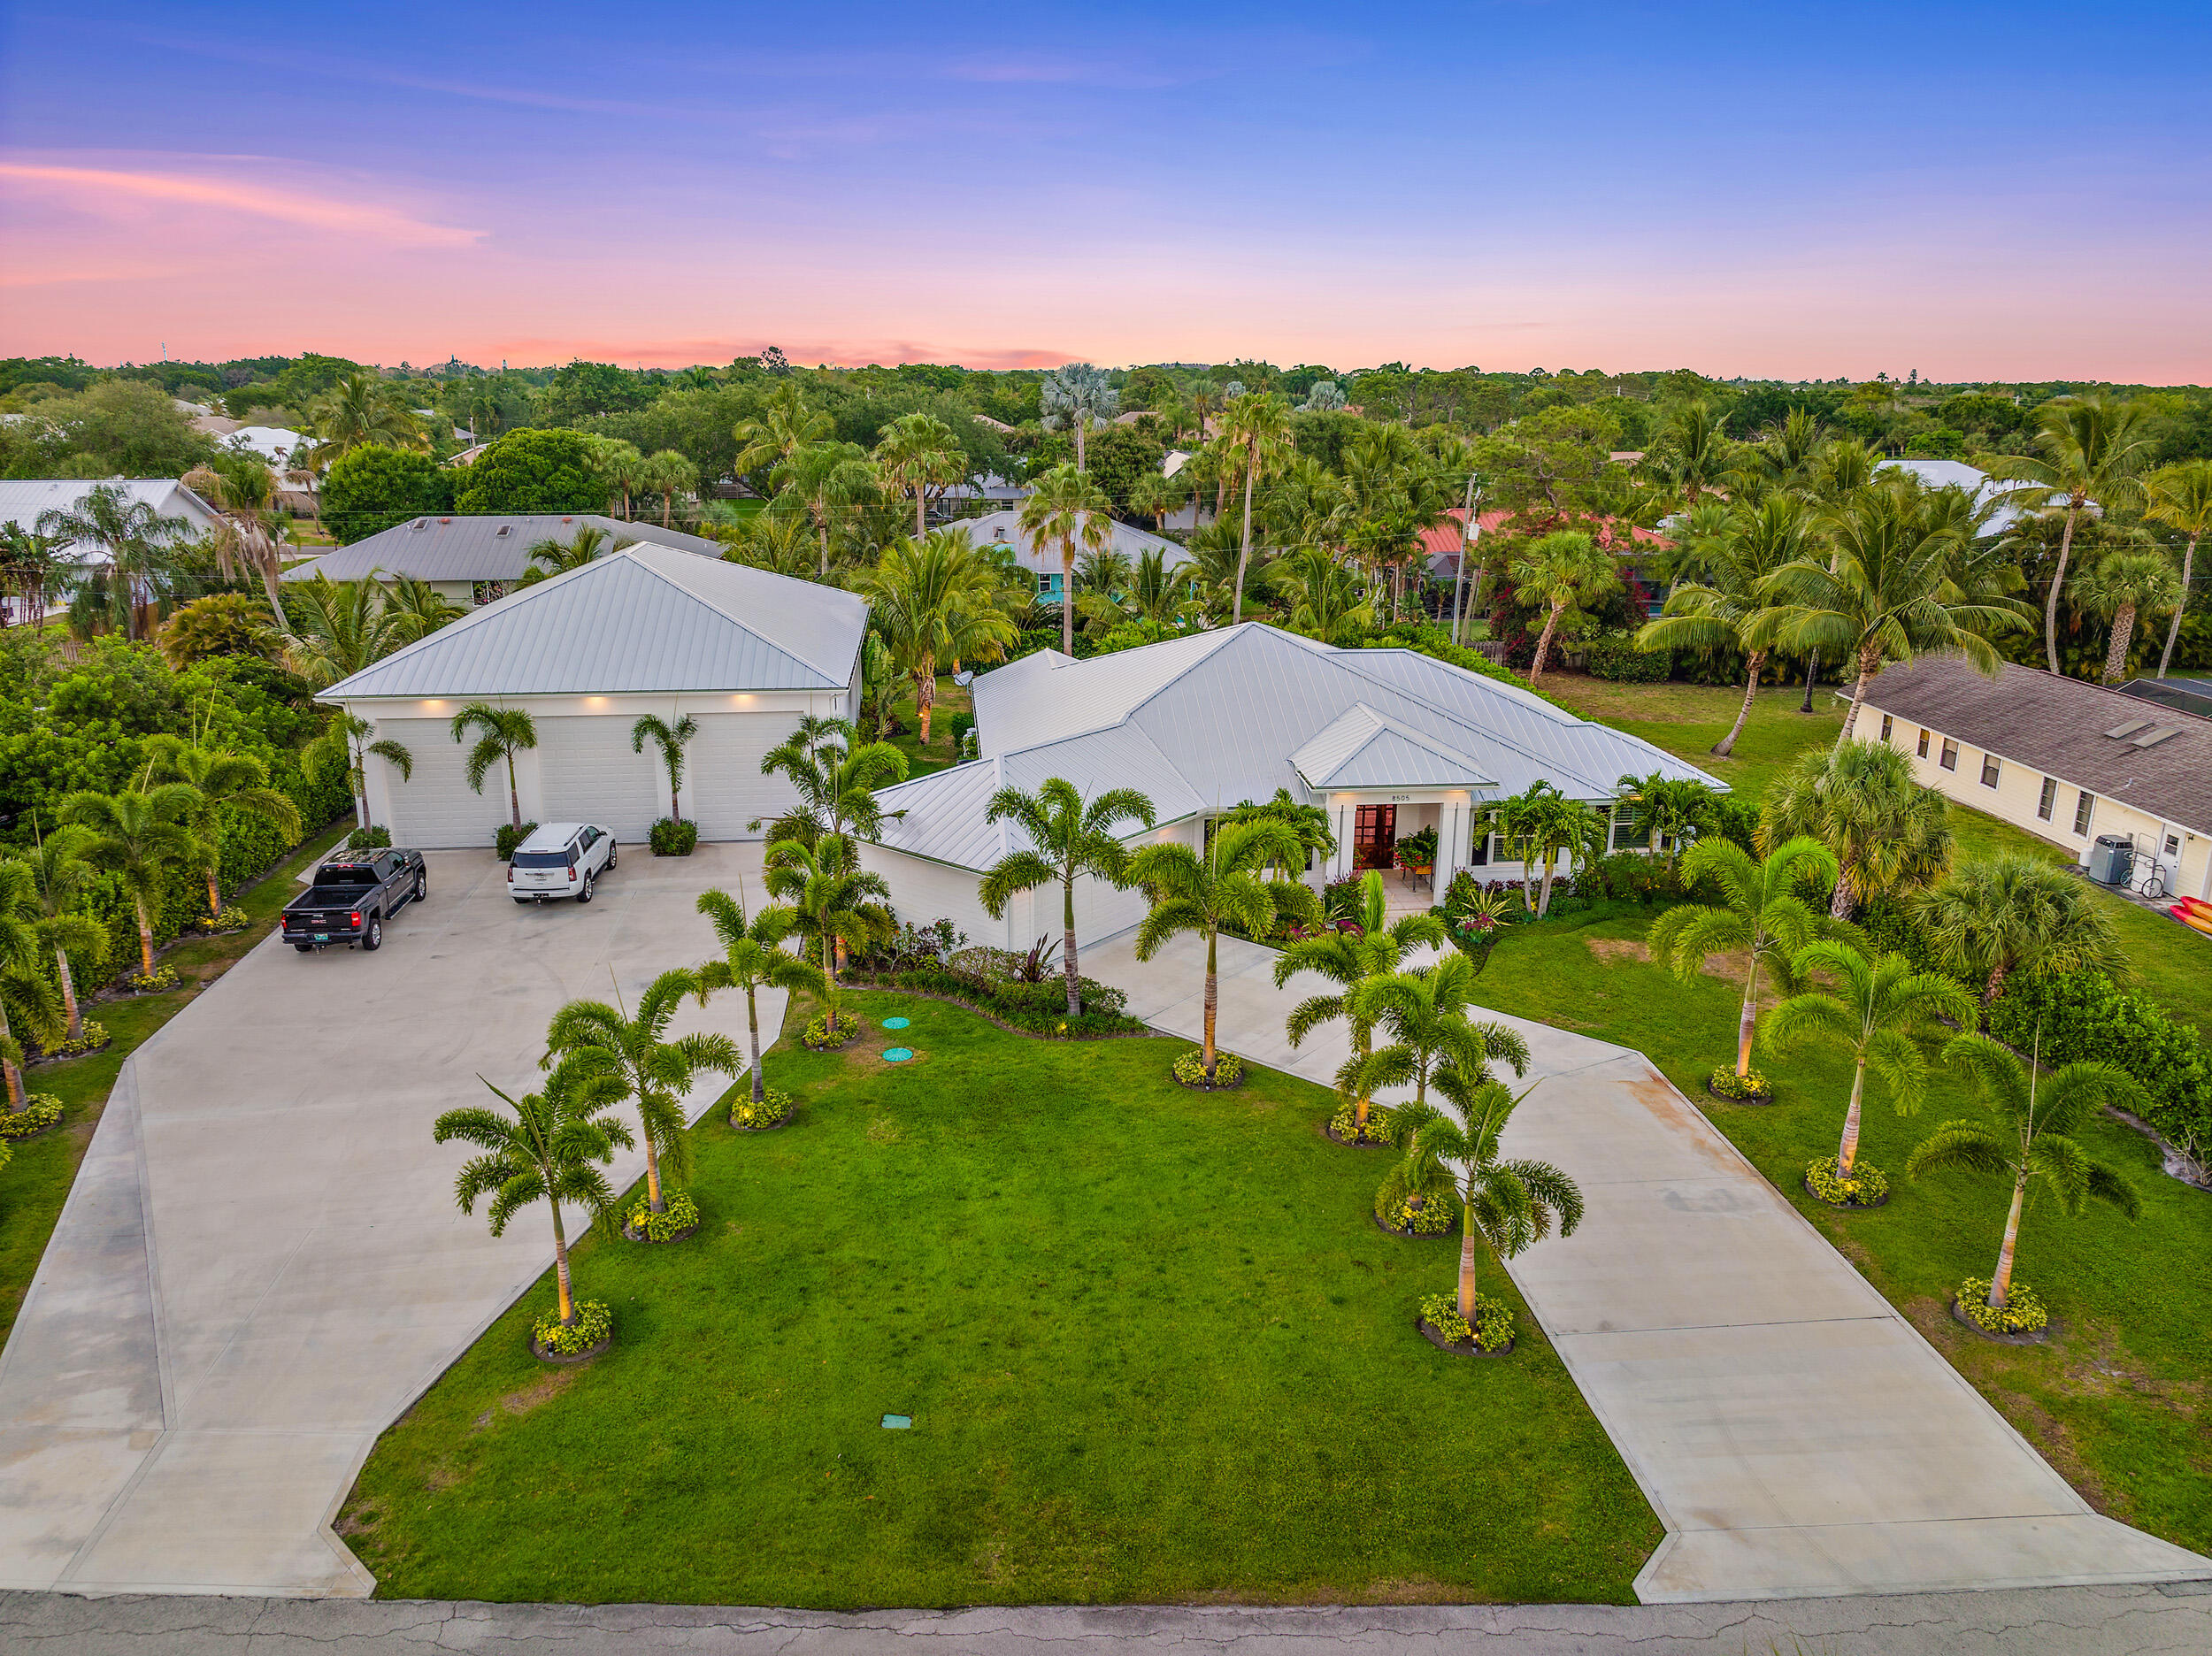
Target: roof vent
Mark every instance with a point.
(2153, 737)
(420, 523)
(2127, 730)
(502, 530)
(445, 520)
(568, 521)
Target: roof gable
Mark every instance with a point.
(1367, 749)
(455, 547)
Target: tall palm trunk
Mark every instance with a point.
(1467, 1264)
(514, 795)
(145, 937)
(752, 1027)
(2116, 655)
(654, 1200)
(560, 1267)
(1726, 745)
(1067, 594)
(1244, 552)
(1362, 1048)
(1843, 900)
(2050, 598)
(1080, 421)
(1748, 1023)
(214, 892)
(1847, 1151)
(7, 1065)
(1213, 1000)
(1812, 677)
(926, 695)
(1543, 644)
(1870, 663)
(2000, 1284)
(821, 525)
(921, 528)
(69, 1008)
(2173, 627)
(1067, 945)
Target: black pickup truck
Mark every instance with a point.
(352, 897)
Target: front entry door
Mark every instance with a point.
(1374, 836)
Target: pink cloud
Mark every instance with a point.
(87, 186)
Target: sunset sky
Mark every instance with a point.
(1973, 191)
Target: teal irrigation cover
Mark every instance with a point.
(894, 1023)
(898, 1422)
(898, 1054)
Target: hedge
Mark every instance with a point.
(1018, 1004)
(2082, 1017)
(1620, 660)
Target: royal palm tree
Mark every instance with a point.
(1890, 835)
(835, 777)
(2033, 1138)
(786, 427)
(361, 411)
(753, 959)
(141, 546)
(2092, 448)
(1873, 1011)
(2180, 497)
(343, 750)
(1077, 395)
(552, 556)
(222, 781)
(1432, 1042)
(640, 1063)
(331, 629)
(1258, 427)
(672, 737)
(241, 538)
(2017, 911)
(1377, 948)
(1511, 1204)
(1225, 885)
(2122, 586)
(833, 898)
(550, 1151)
(826, 479)
(918, 455)
(503, 733)
(1561, 569)
(1763, 911)
(138, 837)
(934, 602)
(60, 875)
(1067, 507)
(1069, 838)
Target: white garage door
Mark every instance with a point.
(723, 786)
(435, 807)
(588, 773)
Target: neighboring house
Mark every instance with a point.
(1937, 475)
(1636, 546)
(650, 629)
(276, 444)
(990, 493)
(22, 500)
(1387, 742)
(1004, 529)
(476, 560)
(2189, 696)
(2066, 760)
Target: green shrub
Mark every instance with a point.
(1433, 1215)
(1492, 1328)
(818, 1036)
(1616, 657)
(148, 983)
(95, 1037)
(373, 488)
(1866, 1186)
(1344, 1122)
(1727, 1083)
(1190, 1069)
(2023, 1312)
(673, 838)
(507, 837)
(594, 1322)
(679, 1213)
(370, 839)
(775, 1105)
(1039, 1008)
(2082, 1017)
(40, 1111)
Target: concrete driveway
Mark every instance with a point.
(1794, 1432)
(261, 1264)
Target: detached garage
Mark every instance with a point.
(650, 629)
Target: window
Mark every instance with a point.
(1989, 769)
(1478, 854)
(2082, 811)
(1628, 834)
(2173, 845)
(1885, 725)
(1924, 744)
(2050, 795)
(1950, 757)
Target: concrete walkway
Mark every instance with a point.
(1794, 1432)
(261, 1264)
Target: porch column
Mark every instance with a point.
(1451, 827)
(1341, 820)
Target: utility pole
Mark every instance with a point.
(1459, 577)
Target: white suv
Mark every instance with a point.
(560, 859)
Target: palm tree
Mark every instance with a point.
(835, 779)
(1258, 426)
(1077, 395)
(2034, 1138)
(2180, 497)
(1325, 598)
(1156, 593)
(1512, 1205)
(1542, 821)
(1882, 594)
(1694, 451)
(2091, 450)
(1433, 1040)
(21, 954)
(826, 477)
(1349, 960)
(2123, 586)
(33, 567)
(642, 1064)
(359, 411)
(140, 545)
(1560, 571)
(222, 781)
(1729, 605)
(668, 472)
(935, 601)
(331, 629)
(2015, 911)
(342, 749)
(1156, 497)
(1763, 911)
(833, 900)
(671, 739)
(753, 959)
(552, 557)
(138, 837)
(416, 608)
(777, 539)
(1224, 886)
(784, 427)
(241, 540)
(917, 455)
(1067, 507)
(60, 874)
(1875, 1009)
(551, 1151)
(505, 731)
(1069, 836)
(1890, 835)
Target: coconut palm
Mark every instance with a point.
(2123, 585)
(35, 569)
(1724, 608)
(1692, 453)
(2092, 448)
(552, 556)
(826, 479)
(1376, 948)
(2017, 911)
(1327, 602)
(668, 472)
(221, 782)
(1067, 507)
(241, 538)
(359, 411)
(1157, 497)
(343, 750)
(2033, 1138)
(2180, 497)
(785, 428)
(550, 1151)
(1069, 836)
(1873, 1010)
(777, 539)
(1225, 885)
(918, 455)
(754, 959)
(671, 737)
(502, 734)
(418, 609)
(1432, 1042)
(1890, 835)
(140, 545)
(833, 900)
(1511, 1204)
(1077, 395)
(1560, 571)
(934, 601)
(1763, 911)
(836, 780)
(138, 837)
(634, 1053)
(60, 875)
(331, 629)
(1258, 427)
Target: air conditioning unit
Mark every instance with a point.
(2111, 859)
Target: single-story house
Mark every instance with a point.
(23, 500)
(476, 560)
(990, 491)
(1387, 742)
(1004, 528)
(1636, 545)
(650, 629)
(1938, 474)
(2068, 761)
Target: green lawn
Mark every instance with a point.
(1152, 1344)
(34, 1185)
(951, 700)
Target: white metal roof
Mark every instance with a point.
(646, 619)
(1127, 539)
(23, 498)
(1367, 749)
(1938, 474)
(491, 547)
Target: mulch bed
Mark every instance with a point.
(1328, 1131)
(1411, 1236)
(1755, 1099)
(630, 1235)
(47, 1058)
(569, 1359)
(2036, 1337)
(1458, 1348)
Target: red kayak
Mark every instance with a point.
(2194, 905)
(2192, 914)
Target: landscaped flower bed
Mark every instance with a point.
(1749, 1088)
(678, 1217)
(1418, 1217)
(819, 1039)
(592, 1330)
(94, 1038)
(147, 983)
(1345, 1129)
(2023, 1312)
(1866, 1187)
(774, 1110)
(229, 923)
(1033, 1009)
(1490, 1336)
(40, 1111)
(1190, 1069)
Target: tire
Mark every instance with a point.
(583, 892)
(422, 886)
(304, 948)
(611, 850)
(372, 935)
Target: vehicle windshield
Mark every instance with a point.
(352, 874)
(540, 859)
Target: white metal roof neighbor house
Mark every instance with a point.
(1938, 474)
(1004, 528)
(1388, 741)
(650, 629)
(476, 559)
(22, 500)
